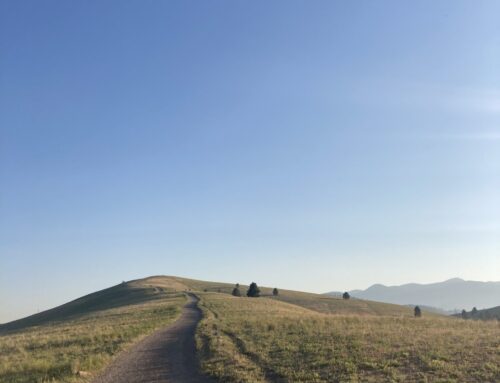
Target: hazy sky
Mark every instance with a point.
(312, 145)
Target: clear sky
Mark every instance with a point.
(312, 145)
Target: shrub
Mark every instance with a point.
(275, 292)
(236, 291)
(418, 312)
(253, 290)
(346, 296)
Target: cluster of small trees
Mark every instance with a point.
(473, 314)
(466, 315)
(252, 292)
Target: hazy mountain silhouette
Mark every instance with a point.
(453, 294)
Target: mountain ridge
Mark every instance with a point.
(453, 294)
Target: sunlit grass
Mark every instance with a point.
(257, 340)
(295, 337)
(72, 350)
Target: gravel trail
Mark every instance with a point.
(167, 356)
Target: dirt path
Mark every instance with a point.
(167, 356)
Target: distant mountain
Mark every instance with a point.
(453, 294)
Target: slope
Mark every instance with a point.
(316, 302)
(484, 314)
(74, 341)
(83, 336)
(250, 340)
(124, 294)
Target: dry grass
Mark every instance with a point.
(259, 340)
(57, 350)
(317, 302)
(295, 337)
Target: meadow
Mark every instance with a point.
(73, 342)
(316, 302)
(262, 340)
(292, 337)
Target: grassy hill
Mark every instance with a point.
(484, 314)
(157, 287)
(294, 337)
(261, 340)
(69, 342)
(491, 313)
(125, 294)
(316, 302)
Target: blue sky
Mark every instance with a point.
(319, 146)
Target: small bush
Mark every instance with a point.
(417, 312)
(253, 291)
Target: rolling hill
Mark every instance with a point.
(79, 338)
(293, 337)
(454, 294)
(484, 314)
(316, 302)
(122, 295)
(158, 287)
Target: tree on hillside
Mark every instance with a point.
(474, 311)
(418, 312)
(253, 291)
(346, 296)
(275, 292)
(464, 314)
(236, 291)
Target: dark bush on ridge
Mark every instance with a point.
(236, 291)
(418, 312)
(253, 291)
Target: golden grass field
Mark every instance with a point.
(294, 337)
(75, 347)
(261, 340)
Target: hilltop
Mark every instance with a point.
(156, 287)
(122, 295)
(294, 337)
